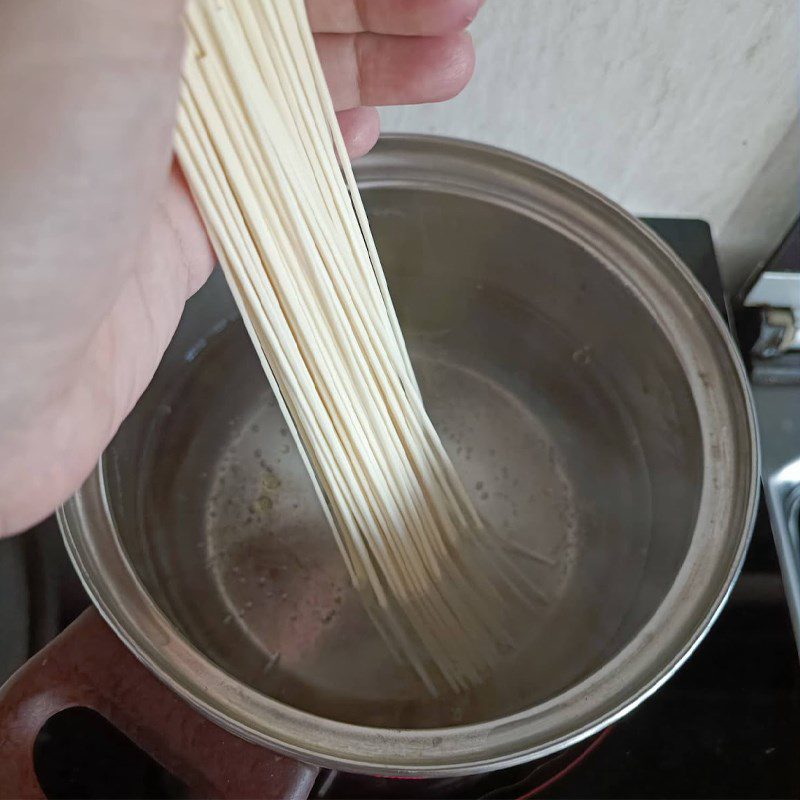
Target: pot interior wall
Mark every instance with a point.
(560, 400)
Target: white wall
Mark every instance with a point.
(671, 107)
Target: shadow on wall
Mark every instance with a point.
(766, 212)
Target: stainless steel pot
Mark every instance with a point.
(591, 398)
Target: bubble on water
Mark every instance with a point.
(270, 481)
(583, 355)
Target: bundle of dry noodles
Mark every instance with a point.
(258, 141)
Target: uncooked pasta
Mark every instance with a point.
(258, 141)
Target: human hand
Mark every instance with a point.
(100, 242)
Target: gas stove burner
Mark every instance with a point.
(516, 783)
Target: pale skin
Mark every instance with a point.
(100, 242)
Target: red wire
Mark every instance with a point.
(566, 770)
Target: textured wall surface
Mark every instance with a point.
(671, 107)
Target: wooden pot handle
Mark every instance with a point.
(88, 666)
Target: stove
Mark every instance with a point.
(727, 725)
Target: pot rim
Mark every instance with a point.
(706, 351)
